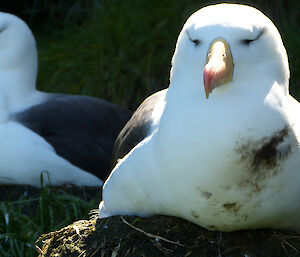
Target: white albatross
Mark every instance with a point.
(68, 138)
(221, 148)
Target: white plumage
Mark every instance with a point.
(228, 162)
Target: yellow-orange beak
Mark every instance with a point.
(219, 65)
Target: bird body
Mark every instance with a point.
(224, 151)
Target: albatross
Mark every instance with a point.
(64, 138)
(220, 146)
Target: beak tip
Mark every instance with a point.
(207, 94)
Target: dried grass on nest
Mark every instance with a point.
(67, 239)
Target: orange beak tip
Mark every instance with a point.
(207, 93)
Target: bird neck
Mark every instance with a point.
(16, 85)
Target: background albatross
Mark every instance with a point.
(71, 137)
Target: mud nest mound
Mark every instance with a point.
(162, 236)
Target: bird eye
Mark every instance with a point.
(196, 42)
(249, 41)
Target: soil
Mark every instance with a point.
(162, 236)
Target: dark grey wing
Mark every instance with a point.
(137, 128)
(81, 129)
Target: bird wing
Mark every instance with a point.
(81, 129)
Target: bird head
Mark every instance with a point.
(226, 47)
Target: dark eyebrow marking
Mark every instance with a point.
(248, 41)
(2, 29)
(195, 41)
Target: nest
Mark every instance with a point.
(162, 236)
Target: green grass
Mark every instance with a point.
(23, 220)
(120, 51)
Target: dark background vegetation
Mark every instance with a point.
(114, 49)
